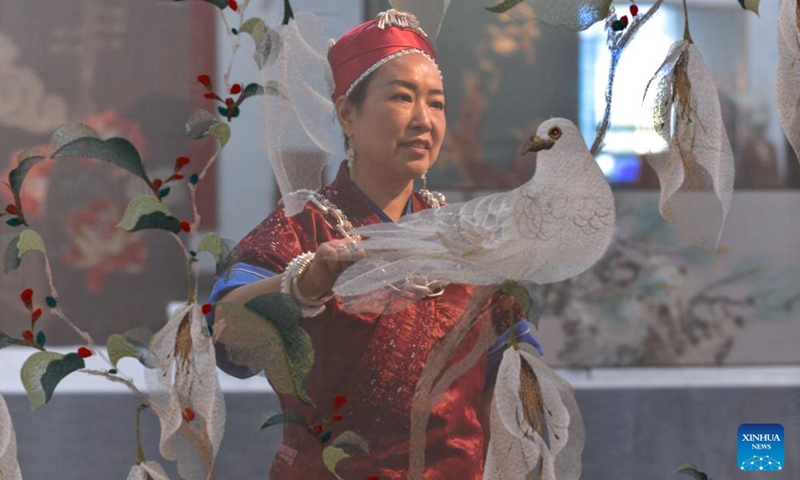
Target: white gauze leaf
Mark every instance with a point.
(148, 471)
(299, 125)
(515, 449)
(565, 432)
(9, 466)
(429, 13)
(186, 377)
(787, 85)
(696, 175)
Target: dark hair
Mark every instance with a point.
(358, 96)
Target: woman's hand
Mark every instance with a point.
(329, 262)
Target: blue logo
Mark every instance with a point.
(760, 447)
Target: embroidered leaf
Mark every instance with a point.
(42, 371)
(751, 5)
(148, 471)
(519, 294)
(9, 244)
(572, 14)
(144, 212)
(122, 346)
(346, 445)
(273, 87)
(211, 243)
(30, 241)
(9, 466)
(430, 13)
(252, 90)
(267, 41)
(6, 341)
(504, 6)
(221, 4)
(256, 28)
(266, 335)
(25, 161)
(221, 131)
(691, 470)
(117, 151)
(70, 132)
(696, 175)
(283, 417)
(198, 124)
(186, 377)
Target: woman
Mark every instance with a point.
(390, 103)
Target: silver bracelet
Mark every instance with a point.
(294, 271)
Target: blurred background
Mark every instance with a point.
(669, 348)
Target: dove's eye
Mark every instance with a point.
(554, 133)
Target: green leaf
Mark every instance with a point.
(274, 87)
(266, 335)
(117, 151)
(6, 341)
(146, 212)
(220, 131)
(691, 470)
(346, 445)
(256, 28)
(221, 4)
(751, 5)
(504, 6)
(287, 12)
(51, 301)
(30, 241)
(25, 161)
(41, 338)
(572, 14)
(130, 345)
(331, 456)
(283, 417)
(70, 132)
(518, 293)
(42, 372)
(252, 90)
(14, 222)
(198, 124)
(211, 243)
(9, 244)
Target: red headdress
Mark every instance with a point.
(366, 47)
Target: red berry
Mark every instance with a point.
(181, 162)
(176, 176)
(11, 209)
(624, 20)
(206, 308)
(210, 95)
(317, 429)
(338, 401)
(634, 10)
(84, 352)
(157, 183)
(27, 297)
(188, 414)
(229, 101)
(27, 335)
(35, 315)
(337, 417)
(373, 477)
(236, 89)
(186, 226)
(205, 80)
(234, 6)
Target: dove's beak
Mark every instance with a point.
(537, 144)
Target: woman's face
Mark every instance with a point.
(398, 131)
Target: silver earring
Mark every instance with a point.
(351, 154)
(425, 181)
(434, 199)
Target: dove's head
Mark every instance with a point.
(549, 134)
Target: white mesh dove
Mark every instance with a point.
(551, 228)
